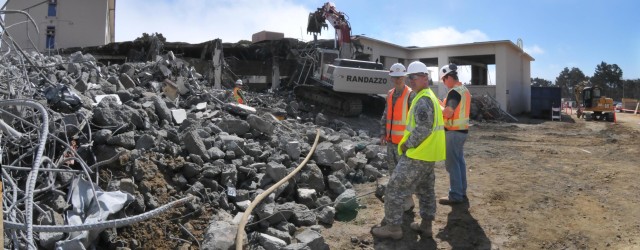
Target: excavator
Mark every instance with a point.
(592, 105)
(333, 80)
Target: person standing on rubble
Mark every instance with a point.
(456, 125)
(238, 94)
(422, 144)
(394, 118)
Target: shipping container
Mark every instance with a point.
(542, 99)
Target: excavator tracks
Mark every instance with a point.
(337, 103)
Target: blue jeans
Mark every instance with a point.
(456, 165)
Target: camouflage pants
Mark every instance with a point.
(392, 156)
(410, 176)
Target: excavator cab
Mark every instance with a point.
(590, 96)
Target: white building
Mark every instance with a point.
(512, 87)
(62, 23)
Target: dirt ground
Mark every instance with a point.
(532, 185)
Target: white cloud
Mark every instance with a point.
(535, 50)
(196, 21)
(444, 36)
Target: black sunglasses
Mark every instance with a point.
(415, 76)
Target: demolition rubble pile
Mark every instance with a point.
(171, 162)
(486, 108)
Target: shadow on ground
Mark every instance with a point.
(463, 231)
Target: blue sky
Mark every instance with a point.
(557, 33)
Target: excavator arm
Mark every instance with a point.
(328, 12)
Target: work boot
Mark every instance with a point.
(388, 231)
(423, 227)
(408, 204)
(446, 201)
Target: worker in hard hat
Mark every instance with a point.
(238, 94)
(394, 118)
(422, 144)
(456, 124)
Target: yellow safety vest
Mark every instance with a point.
(434, 147)
(460, 119)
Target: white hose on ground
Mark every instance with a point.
(259, 198)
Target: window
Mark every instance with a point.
(51, 37)
(52, 7)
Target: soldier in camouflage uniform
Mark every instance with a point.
(393, 121)
(422, 145)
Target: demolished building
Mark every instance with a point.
(174, 158)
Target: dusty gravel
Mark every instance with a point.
(532, 185)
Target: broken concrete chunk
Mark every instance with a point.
(311, 177)
(165, 71)
(346, 149)
(260, 124)
(146, 142)
(302, 216)
(311, 239)
(179, 115)
(126, 81)
(270, 242)
(125, 140)
(283, 235)
(234, 126)
(220, 235)
(325, 154)
(162, 111)
(194, 144)
(371, 173)
(371, 150)
(201, 106)
(128, 69)
(180, 83)
(243, 205)
(326, 215)
(127, 185)
(321, 120)
(276, 170)
(48, 240)
(307, 197)
(215, 153)
(99, 98)
(335, 185)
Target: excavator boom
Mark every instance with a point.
(338, 83)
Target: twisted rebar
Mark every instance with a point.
(31, 181)
(101, 225)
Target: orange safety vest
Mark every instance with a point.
(237, 96)
(397, 115)
(460, 118)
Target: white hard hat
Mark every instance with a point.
(397, 69)
(447, 69)
(417, 67)
(239, 82)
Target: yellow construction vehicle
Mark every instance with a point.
(592, 105)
